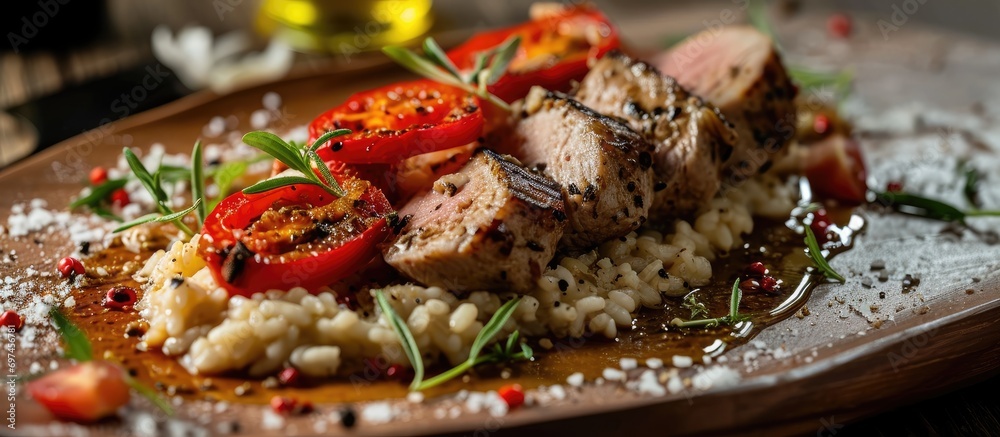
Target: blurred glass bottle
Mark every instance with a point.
(344, 26)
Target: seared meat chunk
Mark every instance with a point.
(738, 69)
(491, 226)
(691, 138)
(604, 167)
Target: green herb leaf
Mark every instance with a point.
(273, 145)
(424, 67)
(405, 338)
(278, 182)
(154, 217)
(732, 318)
(817, 256)
(970, 188)
(224, 176)
(326, 137)
(429, 68)
(98, 194)
(327, 176)
(105, 213)
(505, 53)
(734, 301)
(808, 79)
(920, 206)
(697, 309)
(490, 330)
(77, 346)
(198, 182)
(150, 394)
(436, 54)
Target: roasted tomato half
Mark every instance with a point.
(295, 236)
(395, 122)
(83, 392)
(554, 49)
(836, 169)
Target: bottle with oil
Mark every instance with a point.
(344, 26)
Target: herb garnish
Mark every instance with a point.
(78, 348)
(299, 159)
(154, 185)
(697, 309)
(732, 318)
(929, 208)
(490, 65)
(512, 350)
(816, 254)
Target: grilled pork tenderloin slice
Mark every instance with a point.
(738, 69)
(691, 138)
(603, 166)
(491, 226)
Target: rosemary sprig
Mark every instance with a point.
(98, 193)
(809, 79)
(732, 318)
(490, 65)
(198, 182)
(512, 350)
(299, 159)
(970, 187)
(490, 330)
(405, 338)
(78, 347)
(154, 185)
(816, 254)
(929, 208)
(697, 309)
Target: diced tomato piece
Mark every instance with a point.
(836, 170)
(83, 392)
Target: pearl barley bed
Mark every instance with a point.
(598, 292)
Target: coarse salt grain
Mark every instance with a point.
(628, 363)
(613, 374)
(715, 377)
(675, 385)
(557, 392)
(271, 420)
(378, 412)
(649, 385)
(654, 363)
(682, 361)
(575, 379)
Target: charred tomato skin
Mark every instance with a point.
(254, 274)
(394, 122)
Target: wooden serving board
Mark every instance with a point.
(922, 97)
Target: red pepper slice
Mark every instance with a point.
(553, 51)
(394, 122)
(247, 255)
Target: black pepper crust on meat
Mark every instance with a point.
(496, 231)
(691, 137)
(601, 164)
